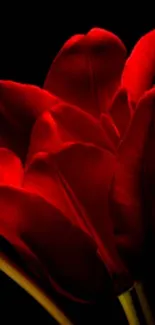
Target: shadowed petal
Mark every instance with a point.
(87, 70)
(67, 123)
(45, 136)
(126, 190)
(50, 245)
(121, 111)
(110, 128)
(20, 105)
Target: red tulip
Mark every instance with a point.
(119, 123)
(138, 79)
(70, 171)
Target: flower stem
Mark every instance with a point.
(127, 304)
(18, 276)
(144, 304)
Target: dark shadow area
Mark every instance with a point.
(18, 307)
(31, 38)
(106, 310)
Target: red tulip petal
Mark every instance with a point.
(79, 190)
(76, 125)
(121, 111)
(134, 142)
(149, 158)
(110, 128)
(89, 177)
(11, 170)
(42, 176)
(139, 69)
(45, 136)
(90, 181)
(149, 168)
(7, 134)
(67, 124)
(21, 104)
(65, 252)
(14, 139)
(87, 70)
(126, 190)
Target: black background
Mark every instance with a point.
(31, 37)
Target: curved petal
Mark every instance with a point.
(110, 128)
(139, 69)
(66, 254)
(87, 70)
(42, 177)
(77, 125)
(121, 111)
(77, 180)
(66, 123)
(45, 136)
(20, 105)
(11, 170)
(148, 180)
(126, 200)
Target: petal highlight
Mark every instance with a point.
(139, 69)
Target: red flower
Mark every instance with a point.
(38, 219)
(73, 204)
(116, 116)
(141, 65)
